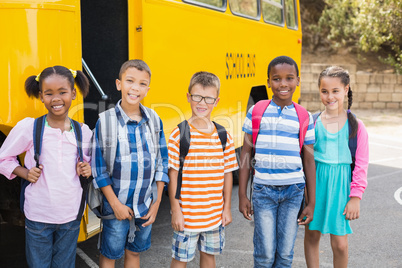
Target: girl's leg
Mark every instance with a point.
(207, 260)
(131, 259)
(65, 244)
(340, 247)
(38, 243)
(311, 247)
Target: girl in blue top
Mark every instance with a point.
(338, 192)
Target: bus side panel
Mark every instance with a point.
(180, 39)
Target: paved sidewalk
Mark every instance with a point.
(382, 122)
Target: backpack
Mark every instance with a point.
(185, 137)
(258, 113)
(352, 141)
(38, 129)
(108, 138)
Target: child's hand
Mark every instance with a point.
(84, 169)
(352, 209)
(151, 215)
(33, 174)
(177, 221)
(226, 217)
(245, 207)
(307, 212)
(122, 212)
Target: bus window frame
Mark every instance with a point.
(200, 4)
(257, 18)
(274, 23)
(295, 16)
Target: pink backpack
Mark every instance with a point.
(258, 113)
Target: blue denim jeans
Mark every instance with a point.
(114, 238)
(51, 245)
(275, 217)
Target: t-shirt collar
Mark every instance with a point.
(123, 118)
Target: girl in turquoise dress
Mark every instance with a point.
(338, 191)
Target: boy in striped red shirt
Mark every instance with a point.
(202, 209)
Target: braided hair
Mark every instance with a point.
(343, 75)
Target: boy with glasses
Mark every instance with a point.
(201, 204)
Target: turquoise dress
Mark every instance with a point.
(333, 174)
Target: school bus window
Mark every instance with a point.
(272, 11)
(209, 3)
(247, 8)
(291, 17)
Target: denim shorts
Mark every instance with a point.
(211, 242)
(114, 238)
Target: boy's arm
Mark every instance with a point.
(177, 215)
(227, 198)
(153, 209)
(103, 181)
(121, 211)
(309, 171)
(161, 169)
(244, 173)
(99, 168)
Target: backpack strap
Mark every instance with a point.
(155, 127)
(352, 145)
(78, 137)
(39, 126)
(108, 137)
(222, 135)
(315, 117)
(185, 137)
(303, 116)
(83, 181)
(258, 112)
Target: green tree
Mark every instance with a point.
(365, 25)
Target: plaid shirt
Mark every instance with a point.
(136, 166)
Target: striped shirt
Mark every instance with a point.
(137, 163)
(201, 198)
(277, 153)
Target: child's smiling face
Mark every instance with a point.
(283, 81)
(57, 94)
(134, 86)
(202, 109)
(333, 92)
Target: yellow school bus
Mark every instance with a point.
(235, 39)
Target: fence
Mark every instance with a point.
(370, 90)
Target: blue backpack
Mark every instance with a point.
(38, 128)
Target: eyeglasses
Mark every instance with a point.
(198, 98)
